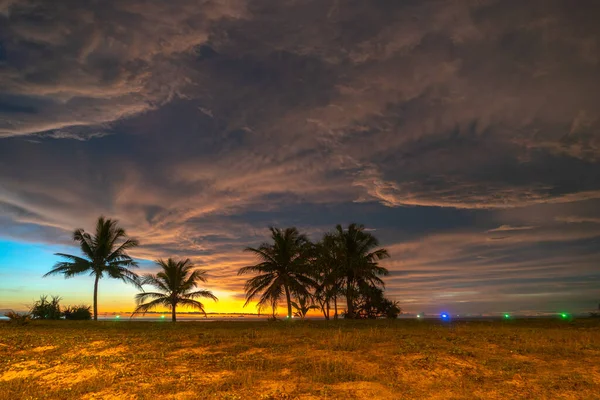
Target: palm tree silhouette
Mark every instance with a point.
(175, 284)
(283, 269)
(327, 274)
(105, 254)
(358, 261)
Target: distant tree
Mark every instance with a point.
(17, 318)
(358, 258)
(284, 269)
(105, 254)
(175, 286)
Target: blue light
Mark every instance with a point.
(445, 316)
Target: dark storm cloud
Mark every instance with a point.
(201, 122)
(97, 62)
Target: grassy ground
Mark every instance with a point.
(537, 359)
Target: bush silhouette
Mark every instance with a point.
(44, 309)
(16, 318)
(81, 312)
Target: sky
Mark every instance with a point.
(465, 135)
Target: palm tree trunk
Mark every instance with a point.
(335, 314)
(327, 315)
(289, 301)
(322, 305)
(349, 301)
(173, 313)
(96, 297)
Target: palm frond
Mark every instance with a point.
(200, 293)
(120, 251)
(154, 280)
(262, 253)
(144, 308)
(70, 269)
(193, 304)
(141, 297)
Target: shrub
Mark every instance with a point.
(16, 318)
(81, 312)
(371, 304)
(44, 309)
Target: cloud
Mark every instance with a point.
(471, 271)
(508, 228)
(578, 220)
(199, 123)
(98, 64)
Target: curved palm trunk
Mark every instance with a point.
(96, 297)
(289, 301)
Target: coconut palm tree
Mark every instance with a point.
(283, 269)
(327, 274)
(175, 286)
(104, 254)
(358, 258)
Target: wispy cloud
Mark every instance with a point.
(211, 120)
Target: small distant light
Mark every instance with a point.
(564, 315)
(162, 316)
(445, 316)
(418, 315)
(118, 316)
(506, 316)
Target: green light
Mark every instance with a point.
(162, 316)
(118, 316)
(506, 316)
(564, 315)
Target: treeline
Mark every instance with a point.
(342, 266)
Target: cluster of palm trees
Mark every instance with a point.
(308, 275)
(345, 263)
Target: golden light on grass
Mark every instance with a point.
(379, 359)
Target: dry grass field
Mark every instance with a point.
(402, 359)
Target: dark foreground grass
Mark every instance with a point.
(534, 359)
